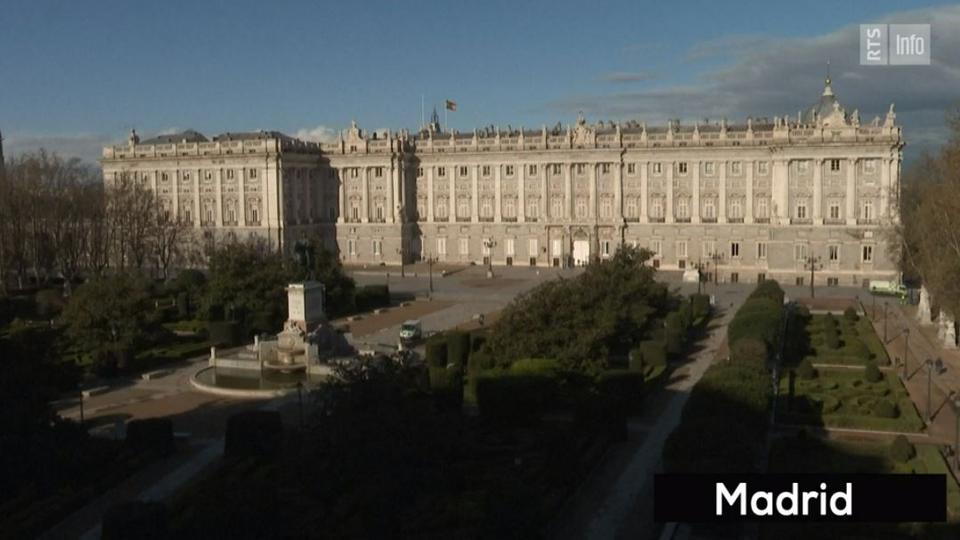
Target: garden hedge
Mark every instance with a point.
(902, 450)
(135, 519)
(371, 297)
(507, 398)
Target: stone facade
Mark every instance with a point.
(762, 196)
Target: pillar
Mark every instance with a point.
(818, 191)
(475, 195)
(644, 170)
(851, 198)
(668, 212)
(748, 203)
(365, 207)
(521, 192)
(695, 206)
(722, 191)
(430, 201)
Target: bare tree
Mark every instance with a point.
(169, 238)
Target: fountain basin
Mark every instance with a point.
(253, 384)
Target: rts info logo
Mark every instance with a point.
(895, 44)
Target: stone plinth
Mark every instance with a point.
(305, 303)
(923, 308)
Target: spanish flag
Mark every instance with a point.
(451, 105)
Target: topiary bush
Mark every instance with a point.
(49, 303)
(831, 338)
(884, 408)
(257, 434)
(648, 353)
(806, 370)
(850, 314)
(872, 373)
(371, 297)
(674, 333)
(902, 450)
(150, 435)
(620, 389)
(700, 305)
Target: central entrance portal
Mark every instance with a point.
(581, 252)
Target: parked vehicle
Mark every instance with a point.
(411, 331)
(888, 288)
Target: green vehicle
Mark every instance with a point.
(888, 288)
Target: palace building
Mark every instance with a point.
(757, 199)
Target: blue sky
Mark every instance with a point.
(76, 75)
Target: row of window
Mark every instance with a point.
(736, 168)
(799, 251)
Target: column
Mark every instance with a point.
(521, 192)
(391, 185)
(722, 190)
(851, 198)
(452, 204)
(644, 191)
(365, 207)
(241, 198)
(341, 195)
(475, 195)
(176, 194)
(497, 192)
(695, 206)
(544, 193)
(568, 192)
(818, 191)
(429, 173)
(195, 190)
(779, 186)
(592, 203)
(618, 192)
(884, 210)
(668, 215)
(748, 203)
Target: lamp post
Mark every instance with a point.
(931, 366)
(400, 253)
(716, 257)
(956, 436)
(813, 264)
(884, 321)
(489, 243)
(430, 261)
(906, 351)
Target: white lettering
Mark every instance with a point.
(731, 498)
(845, 496)
(765, 497)
(791, 497)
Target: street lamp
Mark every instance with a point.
(489, 243)
(716, 257)
(931, 365)
(906, 351)
(813, 264)
(884, 321)
(400, 253)
(430, 261)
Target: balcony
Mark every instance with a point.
(834, 221)
(657, 219)
(735, 220)
(511, 219)
(801, 221)
(866, 221)
(708, 220)
(761, 220)
(682, 220)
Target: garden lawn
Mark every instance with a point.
(843, 398)
(858, 343)
(795, 455)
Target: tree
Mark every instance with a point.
(109, 316)
(168, 234)
(580, 321)
(246, 283)
(324, 266)
(927, 238)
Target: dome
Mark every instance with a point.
(827, 104)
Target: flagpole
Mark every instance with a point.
(421, 112)
(445, 124)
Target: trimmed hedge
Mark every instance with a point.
(902, 450)
(505, 398)
(750, 351)
(850, 314)
(257, 434)
(458, 348)
(700, 305)
(135, 519)
(806, 370)
(621, 389)
(150, 435)
(650, 352)
(872, 373)
(436, 352)
(884, 408)
(674, 332)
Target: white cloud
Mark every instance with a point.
(627, 76)
(322, 134)
(86, 146)
(768, 76)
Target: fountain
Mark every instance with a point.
(299, 356)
